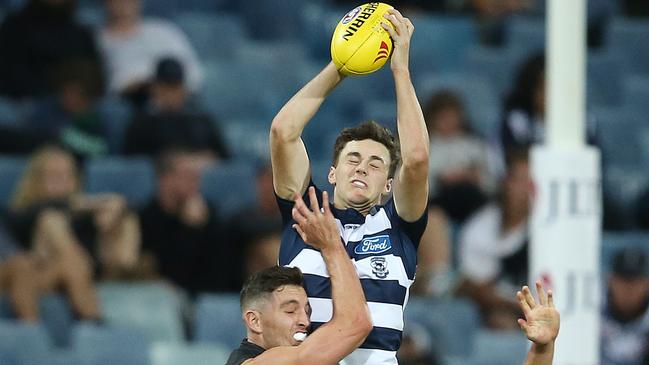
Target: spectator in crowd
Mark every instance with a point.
(460, 177)
(171, 121)
(51, 217)
(37, 39)
(625, 320)
(131, 46)
(493, 247)
(181, 230)
(635, 8)
(71, 117)
(257, 230)
(524, 114)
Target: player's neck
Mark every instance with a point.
(363, 208)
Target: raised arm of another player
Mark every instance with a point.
(411, 183)
(541, 324)
(351, 321)
(288, 153)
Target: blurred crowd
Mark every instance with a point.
(69, 69)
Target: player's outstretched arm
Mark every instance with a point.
(351, 321)
(411, 185)
(288, 153)
(541, 324)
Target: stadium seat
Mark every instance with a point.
(382, 112)
(218, 320)
(285, 16)
(620, 132)
(499, 348)
(476, 93)
(162, 8)
(247, 139)
(116, 115)
(318, 23)
(205, 5)
(195, 354)
(91, 15)
(628, 37)
(10, 115)
(604, 87)
(440, 43)
(230, 186)
(155, 309)
(105, 345)
(24, 343)
(635, 93)
(452, 323)
(498, 65)
(201, 28)
(56, 317)
(525, 35)
(133, 177)
(11, 170)
(234, 90)
(319, 173)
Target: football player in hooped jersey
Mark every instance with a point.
(382, 240)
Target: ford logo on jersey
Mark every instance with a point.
(372, 245)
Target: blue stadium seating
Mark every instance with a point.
(11, 170)
(285, 14)
(133, 177)
(247, 139)
(498, 65)
(10, 115)
(230, 186)
(635, 91)
(440, 43)
(116, 114)
(56, 317)
(604, 72)
(105, 345)
(162, 8)
(24, 343)
(525, 34)
(214, 36)
(319, 172)
(218, 320)
(452, 323)
(499, 348)
(155, 309)
(234, 90)
(629, 38)
(196, 354)
(476, 93)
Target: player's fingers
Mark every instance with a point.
(550, 298)
(397, 14)
(300, 232)
(390, 30)
(529, 298)
(525, 307)
(522, 324)
(313, 200)
(298, 216)
(543, 298)
(300, 205)
(325, 203)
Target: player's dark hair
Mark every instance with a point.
(369, 130)
(266, 281)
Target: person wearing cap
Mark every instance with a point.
(171, 120)
(625, 320)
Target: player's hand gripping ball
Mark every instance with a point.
(360, 45)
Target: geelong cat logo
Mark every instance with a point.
(373, 245)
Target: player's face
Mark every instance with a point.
(287, 314)
(361, 175)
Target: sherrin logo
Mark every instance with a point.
(351, 15)
(373, 245)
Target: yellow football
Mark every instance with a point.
(360, 45)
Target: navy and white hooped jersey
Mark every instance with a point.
(383, 248)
